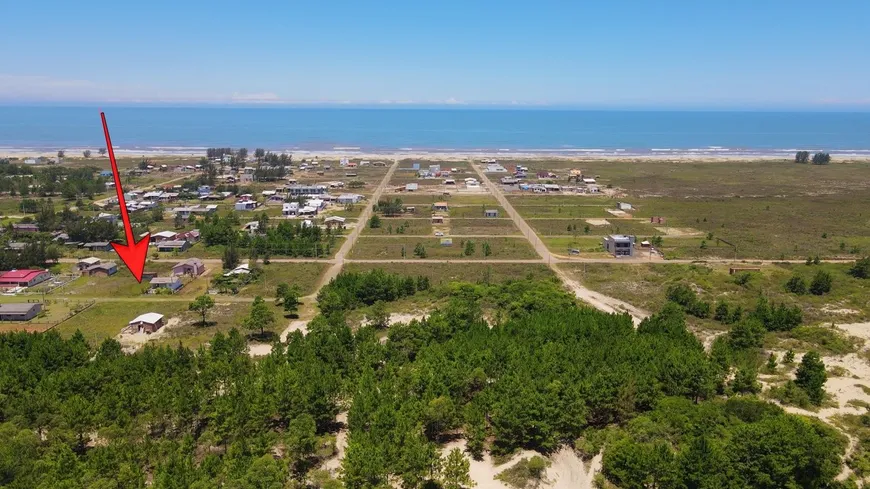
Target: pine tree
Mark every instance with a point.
(811, 377)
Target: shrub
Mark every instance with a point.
(821, 283)
(861, 268)
(796, 285)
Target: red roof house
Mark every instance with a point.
(23, 278)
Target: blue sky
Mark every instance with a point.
(675, 54)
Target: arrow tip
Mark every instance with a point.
(134, 255)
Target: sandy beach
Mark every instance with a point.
(334, 154)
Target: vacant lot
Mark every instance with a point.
(391, 226)
(122, 284)
(302, 275)
(560, 200)
(442, 273)
(107, 319)
(426, 200)
(646, 285)
(475, 210)
(572, 227)
(490, 227)
(391, 248)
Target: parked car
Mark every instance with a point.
(439, 233)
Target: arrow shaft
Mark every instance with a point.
(125, 216)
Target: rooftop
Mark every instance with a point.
(148, 317)
(24, 274)
(17, 307)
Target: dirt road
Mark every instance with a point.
(595, 299)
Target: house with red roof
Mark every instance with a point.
(23, 278)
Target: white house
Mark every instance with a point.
(290, 208)
(345, 199)
(246, 205)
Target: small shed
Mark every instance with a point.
(490, 213)
(437, 219)
(146, 323)
(624, 206)
(440, 206)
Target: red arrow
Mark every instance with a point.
(133, 254)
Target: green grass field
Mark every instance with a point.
(391, 248)
(389, 226)
(559, 227)
(547, 211)
(645, 285)
(426, 200)
(443, 273)
(303, 275)
(491, 227)
(475, 210)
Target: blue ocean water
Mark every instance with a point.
(435, 129)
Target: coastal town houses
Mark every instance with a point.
(168, 283)
(102, 269)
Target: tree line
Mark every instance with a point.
(820, 158)
(540, 372)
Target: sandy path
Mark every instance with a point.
(334, 463)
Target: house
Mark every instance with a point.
(307, 211)
(295, 190)
(146, 323)
(87, 262)
(624, 206)
(191, 236)
(290, 209)
(657, 220)
(163, 236)
(245, 205)
(192, 266)
(437, 219)
(619, 245)
(23, 278)
(346, 199)
(494, 168)
(440, 206)
(334, 221)
(589, 181)
(490, 213)
(252, 227)
(105, 216)
(411, 187)
(170, 283)
(106, 173)
(174, 245)
(449, 181)
(25, 228)
(16, 245)
(19, 311)
(275, 199)
(102, 269)
(509, 181)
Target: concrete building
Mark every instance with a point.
(619, 245)
(19, 311)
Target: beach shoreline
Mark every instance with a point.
(449, 155)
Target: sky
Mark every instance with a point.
(620, 54)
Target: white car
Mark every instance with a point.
(439, 234)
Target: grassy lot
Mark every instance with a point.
(776, 226)
(107, 319)
(389, 225)
(391, 248)
(400, 179)
(443, 273)
(590, 246)
(453, 199)
(122, 284)
(303, 275)
(645, 286)
(560, 200)
(190, 332)
(475, 210)
(492, 227)
(547, 211)
(559, 227)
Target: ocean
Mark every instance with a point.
(351, 130)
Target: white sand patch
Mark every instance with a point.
(841, 311)
(399, 317)
(334, 463)
(567, 470)
(598, 222)
(678, 232)
(297, 325)
(861, 330)
(259, 349)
